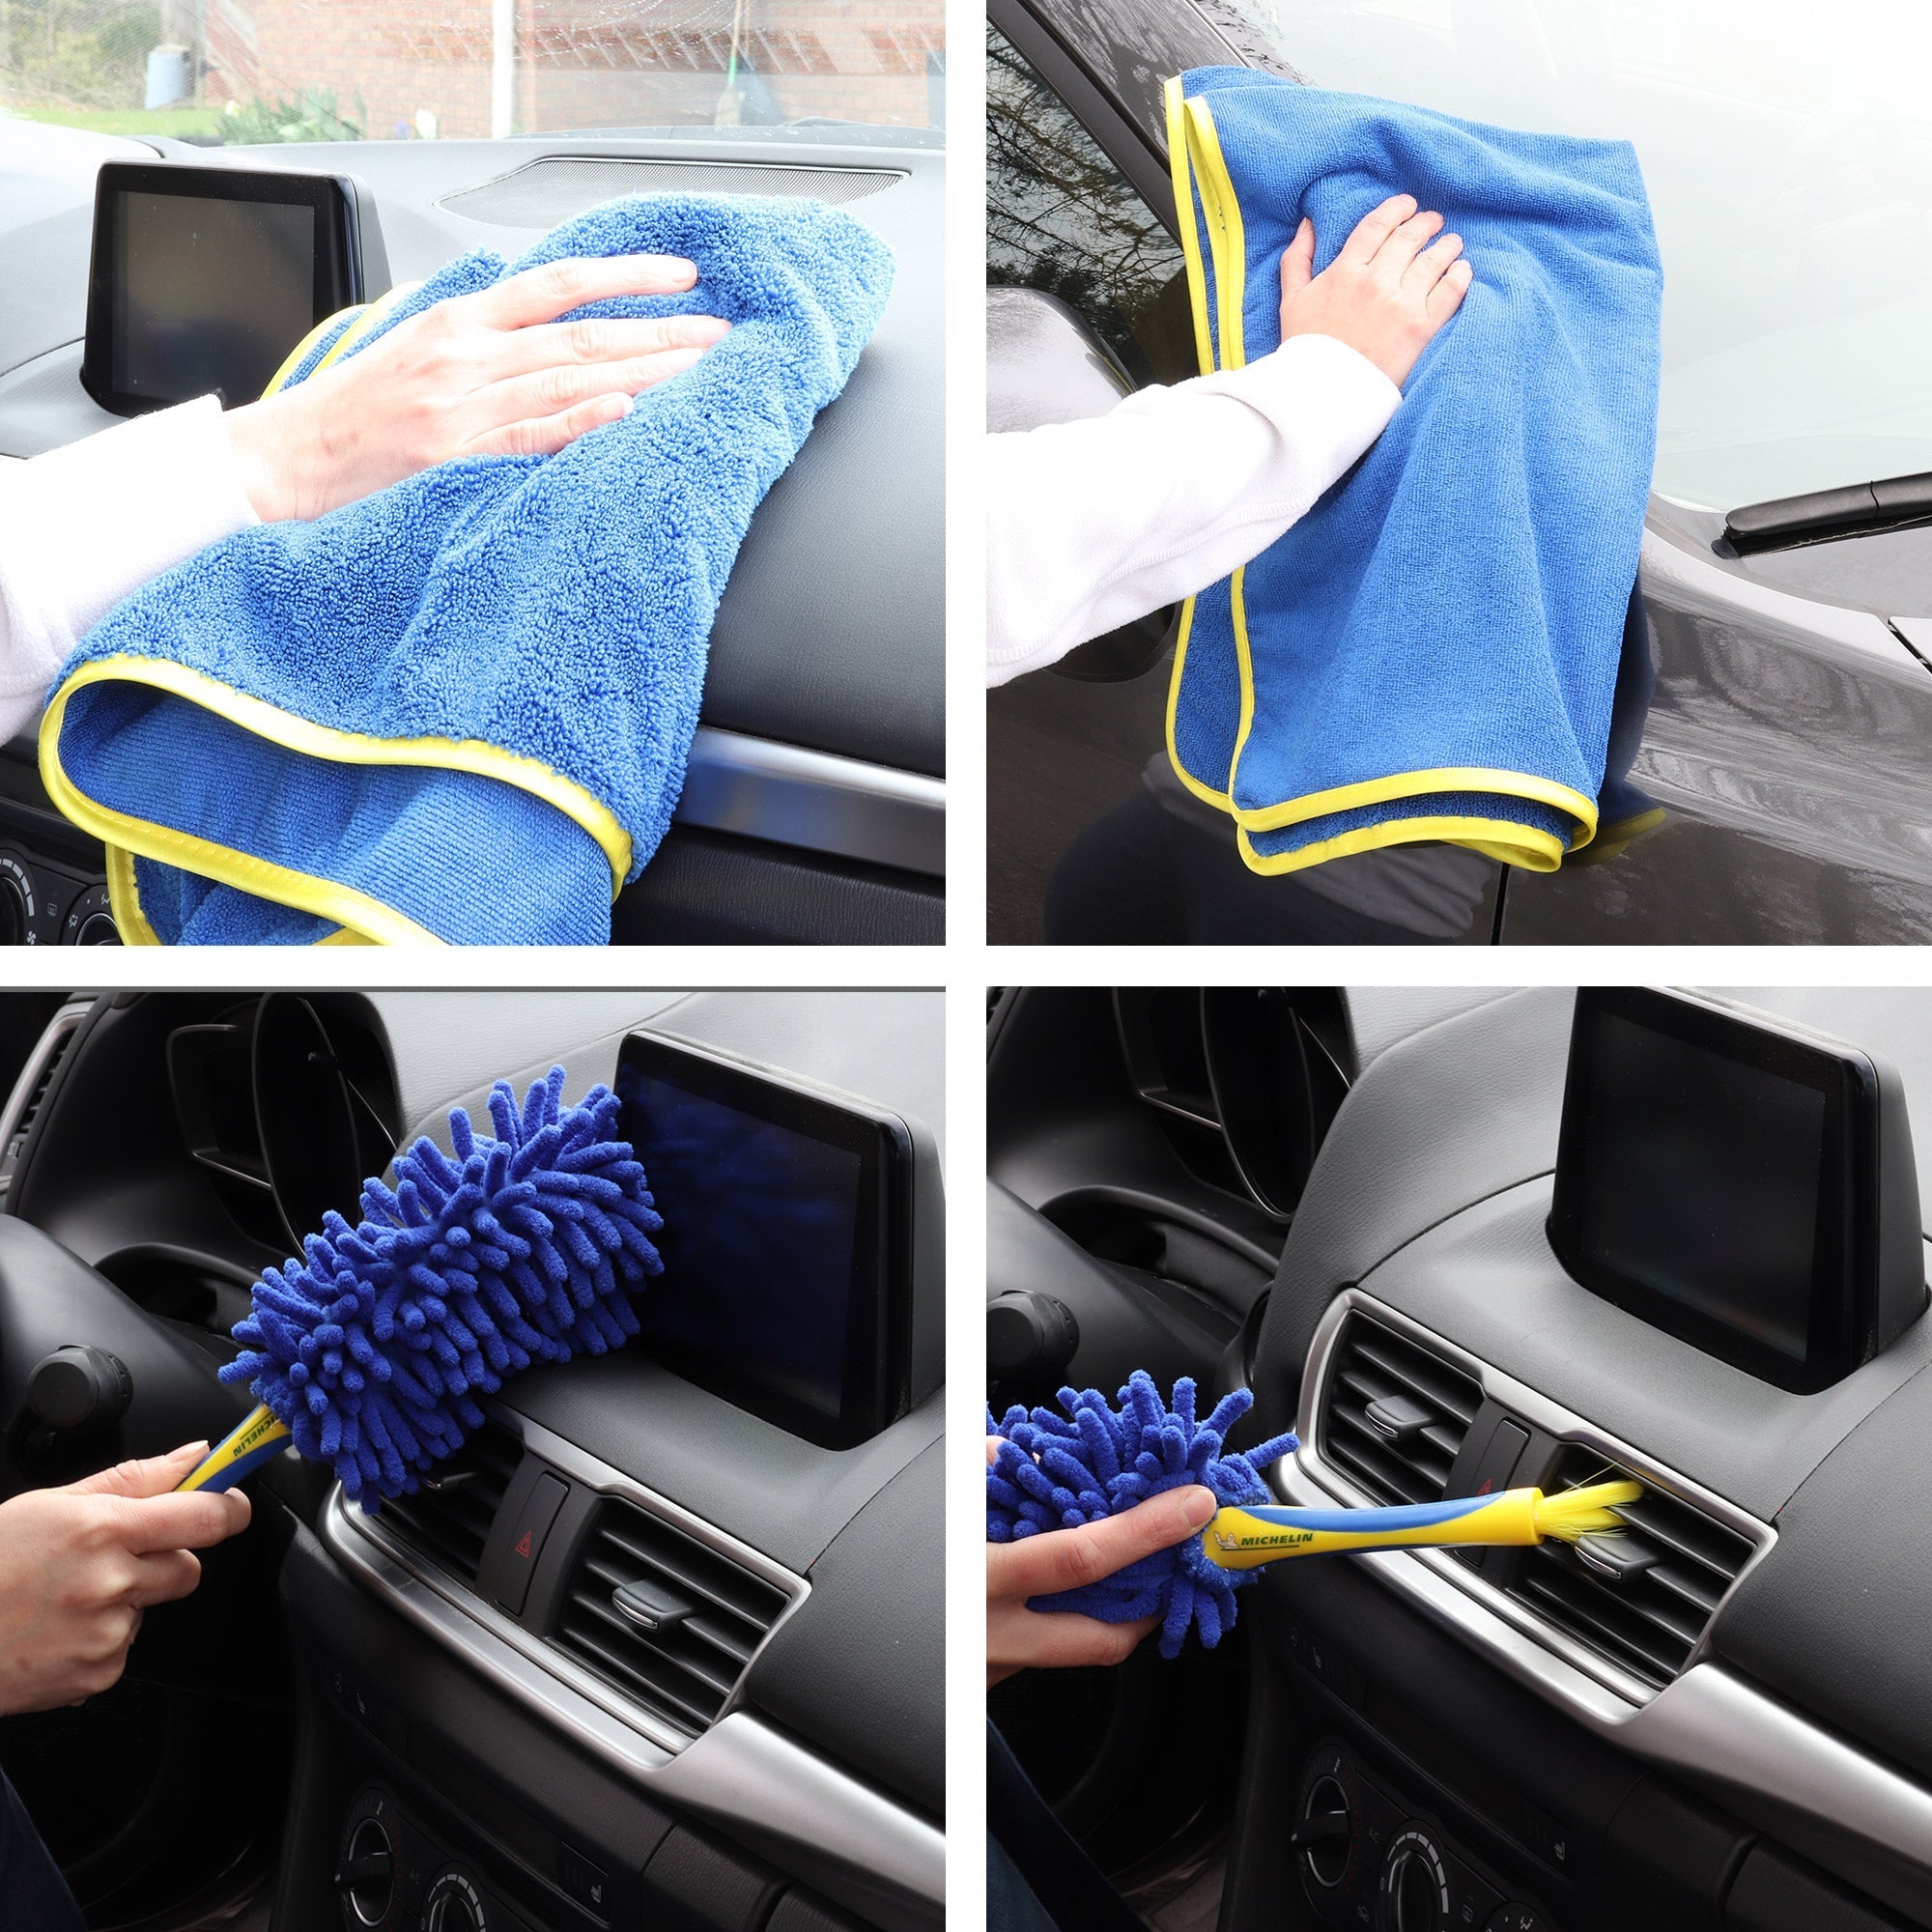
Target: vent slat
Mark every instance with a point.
(1651, 1623)
(1373, 1364)
(687, 1671)
(451, 1526)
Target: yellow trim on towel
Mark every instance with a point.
(366, 316)
(1527, 846)
(1203, 348)
(1409, 785)
(124, 901)
(326, 898)
(1190, 234)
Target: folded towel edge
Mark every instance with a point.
(1526, 847)
(300, 735)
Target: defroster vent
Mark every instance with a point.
(1640, 1598)
(544, 192)
(1394, 1413)
(662, 1617)
(450, 1524)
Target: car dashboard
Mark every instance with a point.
(813, 807)
(483, 1741)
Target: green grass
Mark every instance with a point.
(179, 122)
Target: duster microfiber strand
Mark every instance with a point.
(460, 709)
(1056, 1473)
(1431, 651)
(373, 1350)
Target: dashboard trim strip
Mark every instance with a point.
(759, 788)
(1706, 1721)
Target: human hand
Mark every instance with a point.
(1064, 1560)
(493, 373)
(1387, 292)
(78, 1566)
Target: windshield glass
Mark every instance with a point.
(1787, 146)
(238, 72)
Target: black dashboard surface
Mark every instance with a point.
(831, 633)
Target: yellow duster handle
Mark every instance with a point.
(1245, 1537)
(258, 1436)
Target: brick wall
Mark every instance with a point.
(582, 63)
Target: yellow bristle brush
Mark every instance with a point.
(1245, 1537)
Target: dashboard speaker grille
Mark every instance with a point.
(1645, 1599)
(450, 1524)
(708, 1614)
(1428, 1401)
(551, 190)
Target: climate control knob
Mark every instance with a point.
(453, 1903)
(1323, 1834)
(1415, 1891)
(17, 908)
(366, 1876)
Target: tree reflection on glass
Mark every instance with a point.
(1061, 218)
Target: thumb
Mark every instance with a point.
(154, 1476)
(1298, 259)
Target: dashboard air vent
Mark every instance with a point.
(23, 1105)
(1643, 1599)
(1394, 1413)
(450, 1524)
(551, 190)
(662, 1617)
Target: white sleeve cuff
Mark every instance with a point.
(83, 526)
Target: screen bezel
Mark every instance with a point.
(1844, 1249)
(875, 1386)
(337, 271)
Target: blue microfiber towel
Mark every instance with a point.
(460, 709)
(1431, 651)
(1056, 1473)
(373, 1348)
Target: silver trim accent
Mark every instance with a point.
(47, 1049)
(1542, 1413)
(740, 1772)
(761, 789)
(1706, 1721)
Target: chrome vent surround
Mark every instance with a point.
(1593, 1644)
(450, 1524)
(30, 1090)
(683, 1661)
(544, 192)
(1643, 1598)
(1394, 1413)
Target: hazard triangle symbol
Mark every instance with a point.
(523, 1544)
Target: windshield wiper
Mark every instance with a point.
(1822, 516)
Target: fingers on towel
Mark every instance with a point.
(556, 287)
(593, 340)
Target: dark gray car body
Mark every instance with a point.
(1788, 739)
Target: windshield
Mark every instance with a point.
(240, 71)
(1787, 146)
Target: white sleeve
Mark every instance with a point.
(82, 526)
(1093, 524)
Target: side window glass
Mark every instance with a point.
(1061, 218)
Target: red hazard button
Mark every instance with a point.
(534, 1519)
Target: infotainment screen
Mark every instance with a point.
(786, 1244)
(204, 279)
(1739, 1182)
